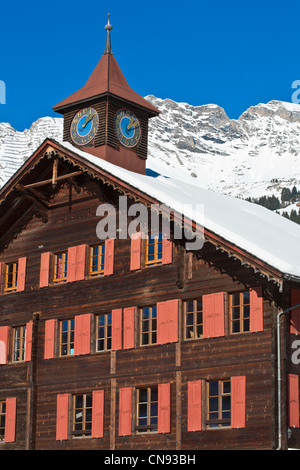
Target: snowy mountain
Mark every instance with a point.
(255, 155)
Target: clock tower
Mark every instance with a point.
(106, 118)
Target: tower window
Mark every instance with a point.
(97, 257)
(218, 404)
(82, 415)
(148, 325)
(11, 276)
(19, 340)
(147, 409)
(60, 267)
(103, 340)
(154, 249)
(240, 312)
(193, 320)
(66, 337)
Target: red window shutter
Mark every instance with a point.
(162, 323)
(1, 270)
(172, 308)
(295, 314)
(293, 400)
(213, 315)
(116, 329)
(49, 339)
(135, 255)
(80, 262)
(4, 335)
(71, 265)
(82, 334)
(62, 417)
(125, 411)
(128, 327)
(98, 413)
(167, 251)
(256, 310)
(21, 274)
(238, 402)
(76, 263)
(44, 269)
(10, 420)
(28, 342)
(109, 257)
(195, 405)
(164, 408)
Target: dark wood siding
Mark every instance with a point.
(72, 221)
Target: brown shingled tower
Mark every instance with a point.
(107, 118)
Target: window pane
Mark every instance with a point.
(213, 388)
(189, 332)
(143, 395)
(145, 313)
(247, 311)
(246, 297)
(246, 325)
(213, 404)
(226, 403)
(143, 410)
(189, 305)
(226, 386)
(235, 299)
(235, 313)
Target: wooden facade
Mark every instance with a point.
(44, 382)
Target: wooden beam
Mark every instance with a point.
(58, 178)
(38, 200)
(33, 195)
(54, 173)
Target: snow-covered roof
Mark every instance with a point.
(258, 231)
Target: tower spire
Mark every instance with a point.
(108, 28)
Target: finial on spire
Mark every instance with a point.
(108, 28)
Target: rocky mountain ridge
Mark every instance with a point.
(255, 155)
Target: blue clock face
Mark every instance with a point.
(127, 128)
(84, 126)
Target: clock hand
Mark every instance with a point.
(132, 122)
(87, 121)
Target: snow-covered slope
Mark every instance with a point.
(16, 147)
(255, 155)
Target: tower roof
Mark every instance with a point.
(107, 78)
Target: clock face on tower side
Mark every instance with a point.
(127, 127)
(84, 126)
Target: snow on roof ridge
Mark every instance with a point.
(257, 230)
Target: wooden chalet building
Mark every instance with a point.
(138, 342)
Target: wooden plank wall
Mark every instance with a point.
(72, 223)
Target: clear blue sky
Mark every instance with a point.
(231, 53)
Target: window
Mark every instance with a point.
(148, 328)
(193, 320)
(82, 415)
(97, 256)
(19, 339)
(2, 419)
(66, 337)
(103, 339)
(147, 409)
(11, 275)
(154, 249)
(60, 267)
(218, 404)
(240, 312)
